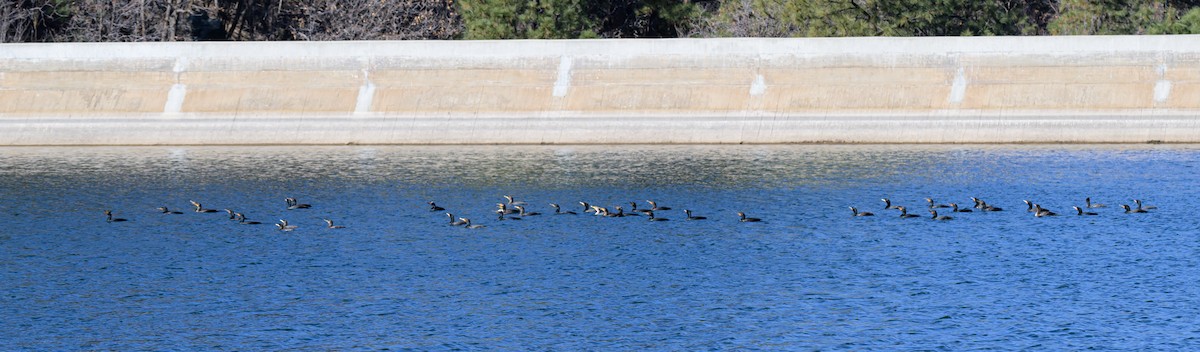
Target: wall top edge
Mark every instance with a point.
(619, 48)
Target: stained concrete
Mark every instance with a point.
(1117, 89)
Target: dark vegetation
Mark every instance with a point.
(176, 20)
(247, 20)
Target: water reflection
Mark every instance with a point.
(811, 276)
(561, 166)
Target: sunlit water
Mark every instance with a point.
(809, 277)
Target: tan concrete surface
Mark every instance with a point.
(1125, 89)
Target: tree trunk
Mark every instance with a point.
(169, 33)
(142, 20)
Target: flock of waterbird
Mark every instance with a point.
(240, 218)
(512, 209)
(982, 206)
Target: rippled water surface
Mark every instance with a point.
(809, 277)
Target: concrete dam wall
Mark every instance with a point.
(1118, 89)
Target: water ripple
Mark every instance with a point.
(810, 277)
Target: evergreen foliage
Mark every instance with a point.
(836, 18)
(1126, 17)
(569, 19)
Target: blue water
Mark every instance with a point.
(809, 277)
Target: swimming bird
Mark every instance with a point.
(1139, 205)
(904, 213)
(108, 214)
(689, 215)
(1129, 210)
(504, 213)
(587, 208)
(1089, 203)
(887, 204)
(654, 206)
(330, 224)
(283, 225)
(983, 206)
(1079, 211)
(989, 207)
(1028, 205)
(558, 211)
(231, 216)
(957, 210)
(742, 217)
(650, 216)
(467, 222)
(200, 208)
(435, 207)
(933, 204)
(503, 209)
(164, 210)
(633, 208)
(521, 211)
(242, 220)
(454, 222)
(1038, 211)
(293, 204)
(935, 216)
(858, 213)
(513, 202)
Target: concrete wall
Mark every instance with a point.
(889, 90)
